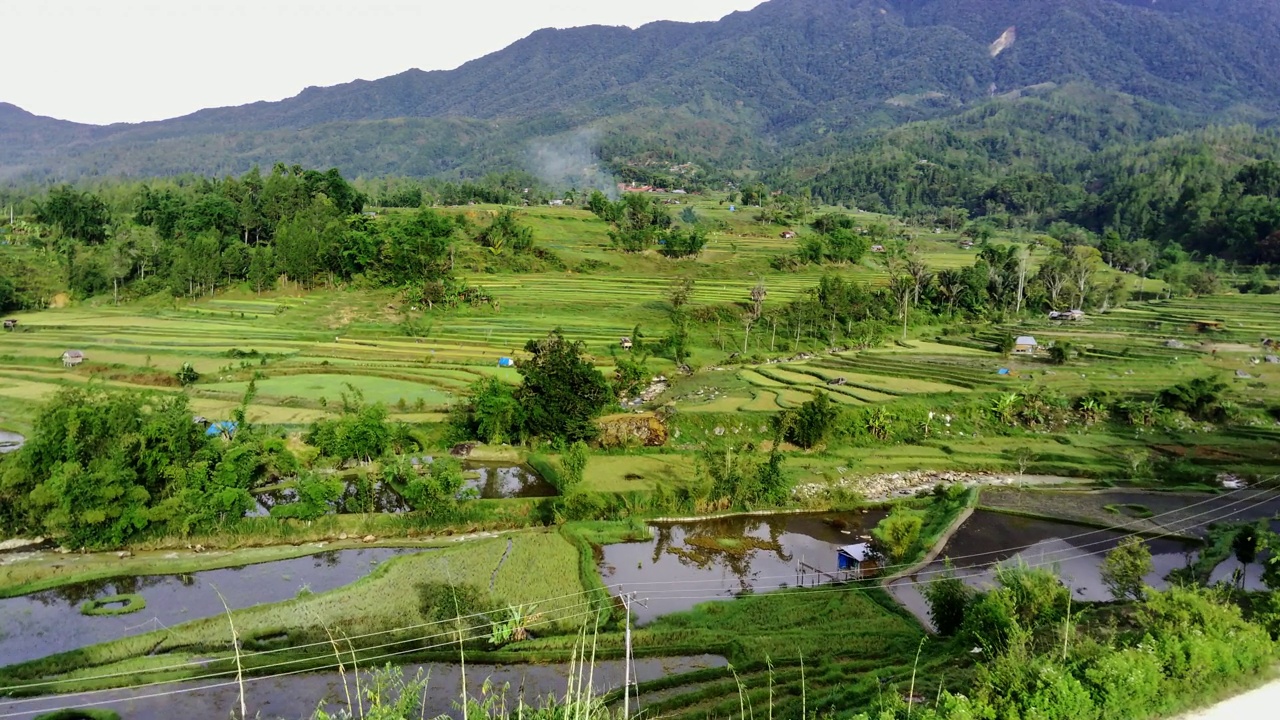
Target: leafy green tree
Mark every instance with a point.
(262, 269)
(683, 243)
(631, 374)
(1006, 344)
(948, 597)
(361, 433)
(680, 291)
(563, 392)
(641, 222)
(604, 208)
(492, 414)
(417, 247)
(78, 215)
(1124, 568)
(95, 464)
(899, 533)
(813, 421)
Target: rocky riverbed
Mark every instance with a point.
(890, 485)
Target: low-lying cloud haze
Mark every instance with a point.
(104, 61)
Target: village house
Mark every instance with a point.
(626, 343)
(1025, 345)
(877, 248)
(10, 325)
(788, 235)
(72, 358)
(858, 561)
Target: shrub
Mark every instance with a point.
(317, 496)
(1125, 684)
(573, 463)
(1124, 568)
(581, 505)
(948, 597)
(188, 375)
(1038, 594)
(991, 622)
(899, 533)
(813, 421)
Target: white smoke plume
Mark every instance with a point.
(569, 161)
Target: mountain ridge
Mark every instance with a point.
(788, 74)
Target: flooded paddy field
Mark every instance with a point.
(1177, 513)
(49, 622)
(691, 562)
(1073, 551)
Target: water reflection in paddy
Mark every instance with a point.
(34, 626)
(10, 442)
(487, 481)
(688, 563)
(1073, 551)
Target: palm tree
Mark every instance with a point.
(951, 286)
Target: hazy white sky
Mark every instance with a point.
(102, 61)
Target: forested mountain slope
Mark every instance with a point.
(791, 73)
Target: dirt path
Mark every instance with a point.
(934, 552)
(1260, 703)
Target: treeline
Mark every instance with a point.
(1212, 192)
(305, 226)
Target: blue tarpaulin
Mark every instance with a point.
(227, 428)
(506, 362)
(1004, 371)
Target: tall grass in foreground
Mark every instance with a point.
(387, 694)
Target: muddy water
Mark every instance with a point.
(10, 442)
(296, 697)
(1074, 551)
(34, 626)
(689, 563)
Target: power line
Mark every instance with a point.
(1114, 528)
(616, 585)
(340, 663)
(246, 680)
(261, 667)
(320, 643)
